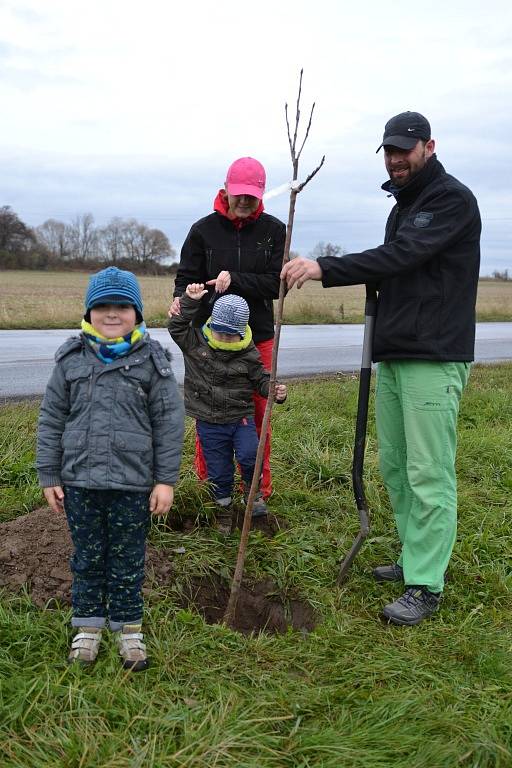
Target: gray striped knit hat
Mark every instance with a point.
(230, 314)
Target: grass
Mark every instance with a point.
(55, 300)
(354, 693)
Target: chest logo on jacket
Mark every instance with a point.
(423, 219)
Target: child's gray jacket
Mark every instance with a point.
(110, 426)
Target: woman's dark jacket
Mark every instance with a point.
(426, 271)
(218, 384)
(252, 254)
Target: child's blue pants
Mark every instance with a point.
(219, 443)
(109, 530)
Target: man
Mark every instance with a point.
(427, 276)
(237, 249)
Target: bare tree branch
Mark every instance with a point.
(307, 131)
(297, 114)
(288, 129)
(313, 173)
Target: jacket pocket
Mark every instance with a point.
(131, 396)
(254, 260)
(79, 380)
(74, 454)
(428, 319)
(397, 323)
(219, 259)
(131, 459)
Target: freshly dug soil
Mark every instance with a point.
(260, 607)
(35, 551)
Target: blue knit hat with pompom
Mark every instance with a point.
(114, 286)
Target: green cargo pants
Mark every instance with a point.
(417, 404)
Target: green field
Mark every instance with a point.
(353, 693)
(55, 300)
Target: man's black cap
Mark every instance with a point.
(404, 130)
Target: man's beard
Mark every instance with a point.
(402, 182)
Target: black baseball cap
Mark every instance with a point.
(404, 130)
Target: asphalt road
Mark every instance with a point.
(26, 357)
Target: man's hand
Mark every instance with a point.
(55, 498)
(161, 499)
(196, 291)
(221, 282)
(299, 270)
(280, 393)
(175, 308)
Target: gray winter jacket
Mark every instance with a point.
(115, 426)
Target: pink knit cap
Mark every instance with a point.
(246, 176)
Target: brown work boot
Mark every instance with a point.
(259, 508)
(131, 648)
(84, 646)
(224, 516)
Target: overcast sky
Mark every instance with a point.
(124, 108)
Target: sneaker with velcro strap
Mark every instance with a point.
(131, 648)
(417, 603)
(84, 646)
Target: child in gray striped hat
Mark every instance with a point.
(222, 370)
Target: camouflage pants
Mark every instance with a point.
(109, 530)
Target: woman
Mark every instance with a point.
(237, 249)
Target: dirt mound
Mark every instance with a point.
(35, 551)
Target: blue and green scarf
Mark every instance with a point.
(109, 350)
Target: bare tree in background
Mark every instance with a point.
(110, 240)
(153, 245)
(129, 239)
(83, 237)
(14, 234)
(55, 236)
(326, 249)
(120, 241)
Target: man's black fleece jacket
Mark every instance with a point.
(426, 272)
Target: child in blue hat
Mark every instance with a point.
(109, 448)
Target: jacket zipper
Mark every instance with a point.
(239, 249)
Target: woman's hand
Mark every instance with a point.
(221, 282)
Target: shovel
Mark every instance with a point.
(370, 311)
